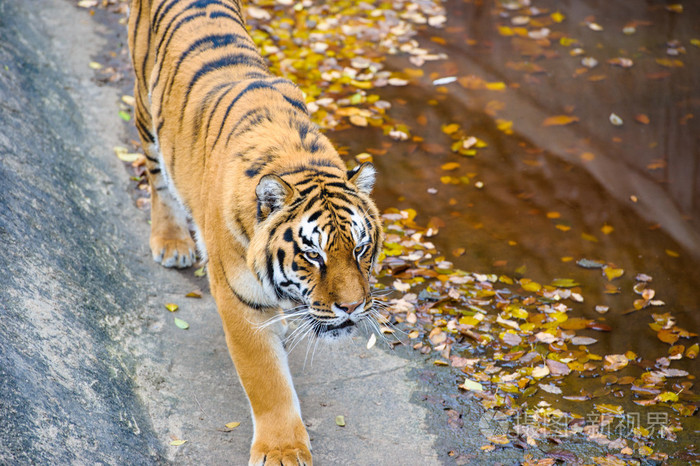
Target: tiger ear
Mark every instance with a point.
(272, 193)
(363, 177)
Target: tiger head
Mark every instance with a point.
(321, 235)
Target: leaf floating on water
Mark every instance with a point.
(340, 420)
(615, 362)
(171, 307)
(583, 340)
(560, 120)
(557, 368)
(602, 309)
(609, 409)
(642, 118)
(550, 388)
(450, 166)
(564, 283)
(667, 336)
(667, 396)
(181, 324)
(615, 119)
(589, 62)
(611, 273)
(590, 264)
(177, 443)
(621, 62)
(445, 80)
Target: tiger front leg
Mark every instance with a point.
(171, 242)
(280, 436)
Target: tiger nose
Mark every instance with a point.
(350, 307)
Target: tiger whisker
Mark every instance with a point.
(299, 334)
(278, 317)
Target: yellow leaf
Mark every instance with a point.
(611, 273)
(557, 17)
(533, 287)
(692, 352)
(667, 396)
(562, 227)
(361, 84)
(496, 86)
(171, 307)
(468, 320)
(560, 120)
(94, 65)
(504, 125)
(505, 31)
(672, 253)
(553, 215)
(669, 63)
(232, 425)
(567, 41)
(177, 443)
(451, 128)
(607, 229)
(588, 237)
(609, 409)
(450, 166)
(695, 42)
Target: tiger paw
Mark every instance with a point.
(173, 252)
(293, 454)
(271, 448)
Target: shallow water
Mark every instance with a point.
(551, 193)
(586, 174)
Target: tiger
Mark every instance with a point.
(280, 221)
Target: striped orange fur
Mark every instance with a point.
(281, 222)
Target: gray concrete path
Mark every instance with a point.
(92, 368)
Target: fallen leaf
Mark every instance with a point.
(611, 273)
(557, 368)
(549, 388)
(181, 324)
(583, 340)
(340, 420)
(172, 307)
(560, 120)
(615, 119)
(232, 425)
(615, 362)
(642, 118)
(471, 385)
(177, 443)
(372, 341)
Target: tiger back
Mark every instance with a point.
(281, 222)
